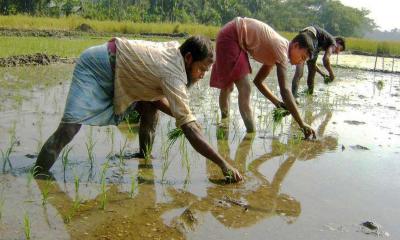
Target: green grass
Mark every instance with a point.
(391, 48)
(64, 47)
(12, 46)
(72, 47)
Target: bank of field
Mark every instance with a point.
(71, 47)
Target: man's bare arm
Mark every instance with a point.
(199, 143)
(289, 101)
(327, 63)
(263, 88)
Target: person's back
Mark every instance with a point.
(262, 42)
(323, 41)
(142, 68)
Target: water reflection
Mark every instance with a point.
(243, 205)
(232, 205)
(124, 217)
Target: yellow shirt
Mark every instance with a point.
(149, 71)
(261, 41)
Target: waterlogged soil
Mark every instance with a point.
(293, 189)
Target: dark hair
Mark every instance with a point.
(305, 40)
(341, 41)
(199, 46)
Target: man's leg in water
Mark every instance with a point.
(53, 146)
(246, 112)
(311, 75)
(148, 122)
(296, 79)
(225, 101)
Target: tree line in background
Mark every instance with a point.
(283, 15)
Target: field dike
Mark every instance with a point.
(33, 59)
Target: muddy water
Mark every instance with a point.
(294, 189)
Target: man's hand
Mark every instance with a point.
(231, 174)
(327, 79)
(280, 105)
(331, 77)
(308, 131)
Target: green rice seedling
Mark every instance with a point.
(112, 139)
(185, 156)
(165, 157)
(31, 175)
(104, 169)
(278, 114)
(2, 201)
(76, 184)
(27, 226)
(380, 84)
(229, 176)
(187, 181)
(121, 156)
(103, 186)
(77, 201)
(65, 158)
(5, 155)
(295, 140)
(90, 147)
(103, 197)
(221, 133)
(165, 165)
(133, 186)
(46, 191)
(147, 153)
(173, 135)
(327, 79)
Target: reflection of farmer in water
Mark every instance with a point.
(112, 78)
(257, 198)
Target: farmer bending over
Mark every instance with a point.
(322, 40)
(113, 78)
(243, 36)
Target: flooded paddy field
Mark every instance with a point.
(293, 189)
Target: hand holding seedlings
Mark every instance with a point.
(231, 174)
(279, 113)
(327, 79)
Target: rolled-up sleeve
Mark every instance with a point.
(175, 91)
